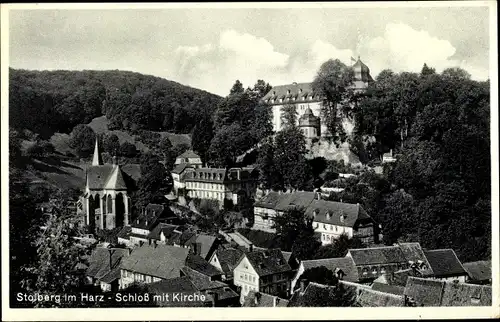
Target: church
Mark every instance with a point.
(106, 199)
(308, 103)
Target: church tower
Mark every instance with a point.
(97, 158)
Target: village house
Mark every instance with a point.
(376, 261)
(342, 267)
(445, 265)
(226, 260)
(429, 292)
(106, 200)
(479, 272)
(152, 263)
(258, 299)
(104, 267)
(312, 294)
(330, 219)
(263, 271)
(189, 157)
(308, 103)
(232, 185)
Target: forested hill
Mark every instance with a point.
(46, 102)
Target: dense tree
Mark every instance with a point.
(228, 143)
(332, 82)
(179, 149)
(111, 144)
(426, 70)
(154, 182)
(269, 177)
(339, 247)
(237, 88)
(203, 134)
(82, 140)
(293, 225)
(128, 150)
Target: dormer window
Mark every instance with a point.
(288, 92)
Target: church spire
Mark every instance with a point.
(97, 159)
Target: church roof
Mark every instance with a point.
(116, 180)
(98, 175)
(97, 158)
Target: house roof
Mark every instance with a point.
(291, 93)
(166, 229)
(286, 255)
(374, 298)
(207, 243)
(177, 284)
(346, 264)
(296, 199)
(163, 261)
(425, 292)
(124, 232)
(178, 169)
(315, 292)
(189, 154)
(478, 271)
(132, 170)
(351, 212)
(152, 213)
(387, 288)
(100, 263)
(199, 264)
(258, 299)
(268, 262)
(398, 278)
(228, 258)
(444, 263)
(377, 255)
(413, 252)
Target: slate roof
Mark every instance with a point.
(413, 252)
(228, 259)
(364, 71)
(426, 292)
(346, 264)
(398, 278)
(444, 263)
(387, 288)
(268, 262)
(287, 255)
(207, 243)
(103, 176)
(124, 232)
(162, 261)
(315, 291)
(132, 170)
(296, 199)
(150, 216)
(478, 271)
(116, 180)
(352, 212)
(98, 175)
(99, 263)
(375, 298)
(177, 284)
(377, 255)
(258, 299)
(301, 92)
(167, 230)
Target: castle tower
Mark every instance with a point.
(309, 124)
(362, 75)
(97, 158)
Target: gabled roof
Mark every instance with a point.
(124, 232)
(189, 154)
(162, 261)
(346, 264)
(228, 259)
(444, 263)
(177, 284)
(478, 271)
(166, 229)
(268, 262)
(151, 215)
(426, 292)
(115, 180)
(199, 264)
(377, 255)
(98, 175)
(316, 295)
(178, 169)
(207, 242)
(386, 288)
(258, 299)
(374, 298)
(100, 263)
(296, 199)
(351, 212)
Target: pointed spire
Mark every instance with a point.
(97, 159)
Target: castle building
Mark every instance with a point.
(106, 201)
(308, 103)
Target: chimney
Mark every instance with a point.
(342, 217)
(257, 298)
(328, 215)
(315, 212)
(276, 300)
(318, 195)
(250, 247)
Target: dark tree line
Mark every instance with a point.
(46, 102)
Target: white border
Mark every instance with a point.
(251, 313)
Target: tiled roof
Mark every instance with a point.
(351, 212)
(177, 284)
(98, 175)
(228, 258)
(346, 264)
(316, 295)
(444, 263)
(374, 298)
(296, 199)
(270, 201)
(132, 170)
(124, 232)
(152, 214)
(268, 262)
(398, 278)
(189, 154)
(112, 276)
(377, 255)
(166, 229)
(363, 71)
(99, 261)
(286, 255)
(478, 271)
(386, 288)
(258, 299)
(426, 292)
(292, 93)
(199, 264)
(162, 261)
(207, 243)
(413, 252)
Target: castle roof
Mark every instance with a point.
(361, 72)
(308, 118)
(292, 93)
(189, 154)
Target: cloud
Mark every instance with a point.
(245, 57)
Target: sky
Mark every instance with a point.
(210, 48)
